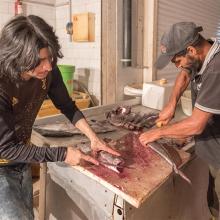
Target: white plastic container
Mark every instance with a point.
(156, 94)
(134, 90)
(186, 102)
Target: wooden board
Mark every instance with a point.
(145, 171)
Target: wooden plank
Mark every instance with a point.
(104, 51)
(42, 192)
(137, 33)
(150, 39)
(109, 51)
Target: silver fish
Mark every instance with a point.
(106, 159)
(110, 161)
(84, 147)
(66, 129)
(56, 130)
(174, 160)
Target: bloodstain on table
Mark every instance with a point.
(144, 170)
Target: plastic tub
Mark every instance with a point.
(134, 90)
(67, 72)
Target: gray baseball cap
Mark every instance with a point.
(177, 39)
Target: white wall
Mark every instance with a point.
(44, 11)
(6, 11)
(86, 56)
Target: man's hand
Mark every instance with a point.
(149, 136)
(166, 115)
(98, 144)
(74, 156)
(181, 83)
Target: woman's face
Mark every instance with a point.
(43, 69)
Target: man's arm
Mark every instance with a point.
(181, 83)
(188, 127)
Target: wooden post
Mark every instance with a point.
(42, 191)
(150, 39)
(109, 51)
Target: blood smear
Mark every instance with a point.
(134, 154)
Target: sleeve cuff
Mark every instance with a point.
(206, 109)
(77, 116)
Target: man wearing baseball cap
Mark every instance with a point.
(199, 62)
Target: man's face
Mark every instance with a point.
(190, 62)
(43, 69)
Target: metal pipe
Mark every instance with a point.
(126, 60)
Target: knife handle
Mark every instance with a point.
(159, 124)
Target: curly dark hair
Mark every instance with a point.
(21, 40)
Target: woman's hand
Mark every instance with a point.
(74, 156)
(98, 145)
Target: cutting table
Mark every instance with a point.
(94, 197)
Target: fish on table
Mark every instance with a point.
(66, 129)
(122, 116)
(112, 162)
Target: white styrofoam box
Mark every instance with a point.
(156, 95)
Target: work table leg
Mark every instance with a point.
(42, 196)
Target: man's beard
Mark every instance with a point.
(194, 65)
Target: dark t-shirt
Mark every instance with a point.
(206, 97)
(19, 105)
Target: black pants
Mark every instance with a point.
(213, 194)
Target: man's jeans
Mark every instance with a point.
(16, 193)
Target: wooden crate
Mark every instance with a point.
(82, 101)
